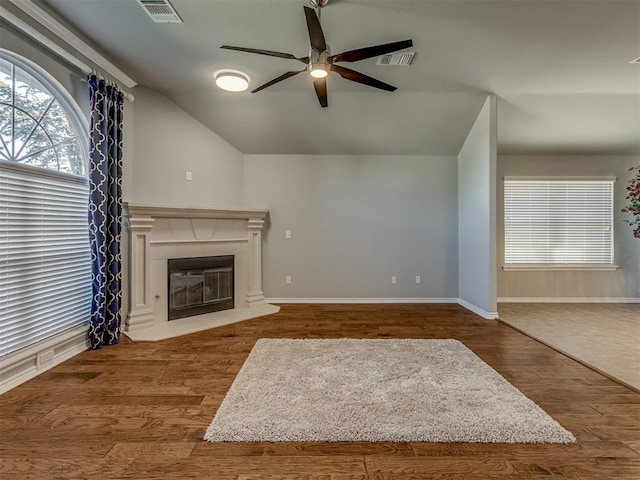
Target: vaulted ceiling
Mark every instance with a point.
(561, 71)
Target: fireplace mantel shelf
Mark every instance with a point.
(159, 210)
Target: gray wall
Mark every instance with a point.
(621, 283)
(68, 76)
(168, 142)
(477, 213)
(355, 222)
(162, 142)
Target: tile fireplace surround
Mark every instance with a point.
(160, 232)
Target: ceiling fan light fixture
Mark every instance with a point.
(319, 63)
(232, 80)
(319, 70)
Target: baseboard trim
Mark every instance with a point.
(568, 300)
(19, 368)
(364, 300)
(477, 310)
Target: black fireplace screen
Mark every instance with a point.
(200, 285)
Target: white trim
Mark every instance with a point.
(40, 38)
(477, 310)
(568, 300)
(595, 178)
(17, 369)
(364, 300)
(183, 211)
(551, 267)
(63, 33)
(203, 242)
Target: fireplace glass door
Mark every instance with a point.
(200, 285)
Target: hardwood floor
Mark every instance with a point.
(603, 336)
(139, 411)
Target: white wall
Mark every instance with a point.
(355, 222)
(168, 142)
(621, 284)
(477, 214)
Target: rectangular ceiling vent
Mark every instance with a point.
(160, 11)
(404, 58)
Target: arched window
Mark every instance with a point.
(45, 266)
(40, 123)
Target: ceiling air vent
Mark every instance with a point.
(396, 58)
(160, 11)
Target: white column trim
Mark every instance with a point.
(141, 308)
(255, 293)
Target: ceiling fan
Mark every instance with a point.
(320, 62)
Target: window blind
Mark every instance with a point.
(45, 266)
(558, 222)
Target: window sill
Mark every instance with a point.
(530, 267)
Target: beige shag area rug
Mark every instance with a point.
(373, 391)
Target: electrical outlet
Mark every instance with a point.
(287, 279)
(189, 175)
(287, 234)
(418, 279)
(394, 280)
(44, 357)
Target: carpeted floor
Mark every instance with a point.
(605, 337)
(376, 390)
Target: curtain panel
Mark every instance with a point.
(105, 210)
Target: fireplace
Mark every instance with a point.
(158, 233)
(199, 285)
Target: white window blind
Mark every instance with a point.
(45, 267)
(558, 222)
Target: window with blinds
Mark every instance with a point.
(45, 263)
(558, 222)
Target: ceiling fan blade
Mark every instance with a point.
(316, 36)
(266, 52)
(368, 52)
(320, 84)
(282, 77)
(361, 78)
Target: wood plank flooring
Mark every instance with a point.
(139, 410)
(611, 347)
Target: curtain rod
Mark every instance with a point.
(100, 76)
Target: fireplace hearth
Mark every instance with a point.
(199, 285)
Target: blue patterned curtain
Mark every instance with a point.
(105, 210)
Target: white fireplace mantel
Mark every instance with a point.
(182, 211)
(159, 232)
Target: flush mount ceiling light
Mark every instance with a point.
(232, 80)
